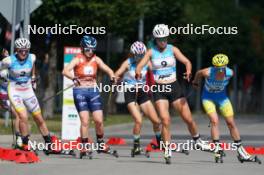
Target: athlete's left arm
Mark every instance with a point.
(231, 73)
(183, 59)
(105, 68)
(33, 72)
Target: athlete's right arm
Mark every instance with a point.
(121, 69)
(67, 70)
(5, 63)
(203, 73)
(142, 63)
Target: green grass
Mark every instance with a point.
(54, 124)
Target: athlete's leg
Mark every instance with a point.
(99, 125)
(99, 129)
(151, 113)
(18, 133)
(82, 107)
(16, 120)
(23, 122)
(95, 106)
(181, 105)
(41, 124)
(227, 111)
(162, 107)
(32, 104)
(84, 130)
(232, 128)
(20, 109)
(210, 109)
(135, 112)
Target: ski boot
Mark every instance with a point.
(244, 156)
(104, 148)
(202, 145)
(24, 144)
(137, 150)
(83, 153)
(167, 154)
(205, 146)
(18, 142)
(218, 154)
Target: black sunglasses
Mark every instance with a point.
(23, 51)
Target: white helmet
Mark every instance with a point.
(161, 31)
(22, 43)
(138, 48)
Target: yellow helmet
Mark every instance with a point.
(220, 60)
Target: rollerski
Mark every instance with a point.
(106, 150)
(84, 153)
(218, 153)
(167, 155)
(243, 156)
(139, 151)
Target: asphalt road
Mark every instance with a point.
(197, 162)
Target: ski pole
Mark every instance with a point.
(58, 93)
(12, 122)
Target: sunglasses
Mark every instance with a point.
(23, 51)
(165, 39)
(138, 56)
(88, 49)
(221, 69)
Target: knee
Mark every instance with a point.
(98, 123)
(214, 122)
(84, 124)
(157, 124)
(166, 122)
(138, 121)
(22, 117)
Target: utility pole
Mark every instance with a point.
(26, 17)
(198, 67)
(141, 28)
(14, 5)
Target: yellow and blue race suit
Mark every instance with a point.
(214, 91)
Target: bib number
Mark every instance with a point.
(164, 63)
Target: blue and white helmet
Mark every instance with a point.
(138, 48)
(88, 42)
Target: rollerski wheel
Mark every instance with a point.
(136, 151)
(253, 159)
(147, 154)
(168, 160)
(82, 154)
(218, 157)
(184, 151)
(112, 152)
